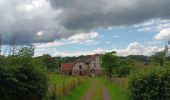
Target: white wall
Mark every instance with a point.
(96, 61)
(76, 66)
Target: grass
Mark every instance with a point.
(117, 92)
(97, 95)
(60, 85)
(58, 79)
(78, 92)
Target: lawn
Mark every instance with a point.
(117, 92)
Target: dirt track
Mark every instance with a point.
(102, 93)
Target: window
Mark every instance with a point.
(94, 65)
(80, 66)
(84, 72)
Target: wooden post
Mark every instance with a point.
(123, 83)
(78, 81)
(73, 83)
(55, 91)
(63, 86)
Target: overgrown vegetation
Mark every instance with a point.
(151, 84)
(22, 77)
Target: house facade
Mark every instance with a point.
(90, 66)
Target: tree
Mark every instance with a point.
(22, 79)
(158, 58)
(50, 62)
(27, 50)
(109, 61)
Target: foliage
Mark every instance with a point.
(151, 84)
(51, 63)
(22, 81)
(27, 50)
(139, 58)
(158, 58)
(22, 77)
(109, 61)
(123, 71)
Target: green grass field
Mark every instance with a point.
(58, 82)
(78, 92)
(117, 92)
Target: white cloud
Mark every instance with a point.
(137, 48)
(163, 34)
(54, 52)
(154, 25)
(116, 36)
(107, 42)
(84, 37)
(134, 48)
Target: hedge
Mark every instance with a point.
(151, 84)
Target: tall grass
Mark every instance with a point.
(61, 85)
(117, 92)
(78, 92)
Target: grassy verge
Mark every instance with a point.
(78, 92)
(58, 79)
(116, 91)
(97, 94)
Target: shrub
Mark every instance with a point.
(151, 84)
(22, 81)
(123, 71)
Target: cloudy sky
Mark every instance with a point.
(76, 27)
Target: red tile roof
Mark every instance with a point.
(66, 66)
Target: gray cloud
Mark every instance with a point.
(57, 19)
(27, 18)
(88, 14)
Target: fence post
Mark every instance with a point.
(56, 92)
(78, 81)
(73, 83)
(63, 86)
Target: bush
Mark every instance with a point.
(123, 71)
(151, 84)
(24, 80)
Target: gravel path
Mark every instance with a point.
(103, 90)
(90, 92)
(106, 95)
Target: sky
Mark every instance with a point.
(84, 27)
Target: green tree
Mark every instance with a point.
(158, 58)
(27, 50)
(50, 62)
(109, 61)
(22, 77)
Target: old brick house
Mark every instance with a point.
(89, 66)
